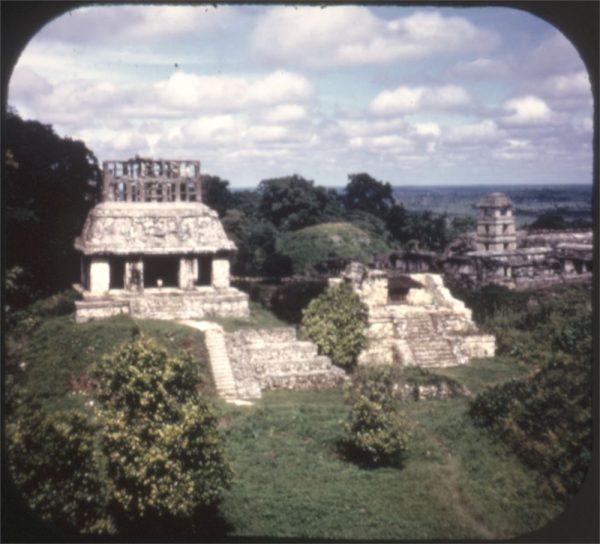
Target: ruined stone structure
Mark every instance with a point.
(249, 361)
(152, 249)
(275, 359)
(497, 254)
(414, 320)
(496, 224)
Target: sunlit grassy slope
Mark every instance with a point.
(291, 479)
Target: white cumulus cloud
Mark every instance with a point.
(526, 110)
(409, 99)
(484, 131)
(352, 35)
(191, 91)
(106, 24)
(428, 129)
(571, 84)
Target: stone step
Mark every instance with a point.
(304, 380)
(261, 337)
(220, 366)
(291, 366)
(275, 358)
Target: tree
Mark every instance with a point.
(549, 221)
(165, 457)
(256, 241)
(336, 321)
(377, 434)
(55, 464)
(364, 192)
(396, 221)
(50, 185)
(293, 202)
(426, 230)
(216, 194)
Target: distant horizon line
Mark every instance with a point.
(474, 186)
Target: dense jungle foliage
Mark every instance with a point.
(547, 417)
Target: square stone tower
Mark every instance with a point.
(152, 249)
(496, 224)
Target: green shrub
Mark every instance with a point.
(29, 318)
(335, 321)
(165, 455)
(54, 463)
(551, 426)
(492, 407)
(380, 384)
(377, 434)
(547, 419)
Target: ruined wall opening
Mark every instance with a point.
(205, 270)
(161, 269)
(117, 273)
(398, 288)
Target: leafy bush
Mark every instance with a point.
(380, 384)
(377, 433)
(29, 318)
(492, 407)
(165, 455)
(291, 298)
(55, 465)
(547, 419)
(335, 321)
(551, 426)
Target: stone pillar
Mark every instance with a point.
(186, 273)
(99, 276)
(220, 272)
(134, 275)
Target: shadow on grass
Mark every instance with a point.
(348, 451)
(206, 524)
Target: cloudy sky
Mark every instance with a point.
(412, 95)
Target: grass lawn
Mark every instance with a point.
(259, 318)
(292, 481)
(54, 358)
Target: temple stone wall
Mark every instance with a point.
(428, 328)
(167, 304)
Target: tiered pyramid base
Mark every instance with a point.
(165, 303)
(275, 359)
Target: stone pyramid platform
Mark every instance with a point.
(263, 359)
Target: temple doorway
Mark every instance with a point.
(161, 271)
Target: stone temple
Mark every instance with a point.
(414, 320)
(496, 229)
(152, 249)
(499, 254)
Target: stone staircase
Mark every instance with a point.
(426, 345)
(276, 359)
(219, 361)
